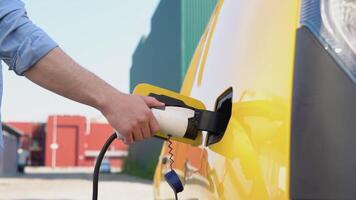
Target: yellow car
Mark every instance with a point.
(287, 69)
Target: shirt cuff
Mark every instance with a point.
(32, 49)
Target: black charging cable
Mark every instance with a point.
(98, 163)
(171, 177)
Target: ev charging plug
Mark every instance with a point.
(176, 120)
(173, 120)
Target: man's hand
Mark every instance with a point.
(131, 116)
(128, 114)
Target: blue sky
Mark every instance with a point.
(100, 35)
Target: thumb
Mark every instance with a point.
(152, 102)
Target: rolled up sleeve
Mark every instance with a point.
(22, 43)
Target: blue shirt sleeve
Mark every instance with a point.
(22, 43)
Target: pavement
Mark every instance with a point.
(72, 186)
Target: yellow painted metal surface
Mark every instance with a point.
(250, 46)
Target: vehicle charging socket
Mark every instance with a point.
(182, 119)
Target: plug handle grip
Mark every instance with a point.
(173, 120)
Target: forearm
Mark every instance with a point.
(29, 51)
(59, 73)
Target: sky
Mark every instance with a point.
(99, 35)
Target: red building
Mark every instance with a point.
(69, 141)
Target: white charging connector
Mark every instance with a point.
(173, 120)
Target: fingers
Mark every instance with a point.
(138, 123)
(128, 139)
(146, 131)
(152, 102)
(137, 134)
(154, 125)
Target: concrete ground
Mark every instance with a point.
(72, 186)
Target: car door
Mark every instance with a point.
(247, 51)
(249, 46)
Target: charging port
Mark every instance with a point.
(223, 105)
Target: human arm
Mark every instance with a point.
(128, 114)
(28, 51)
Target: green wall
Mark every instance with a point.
(195, 17)
(162, 59)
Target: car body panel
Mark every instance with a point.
(249, 46)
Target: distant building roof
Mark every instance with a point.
(11, 130)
